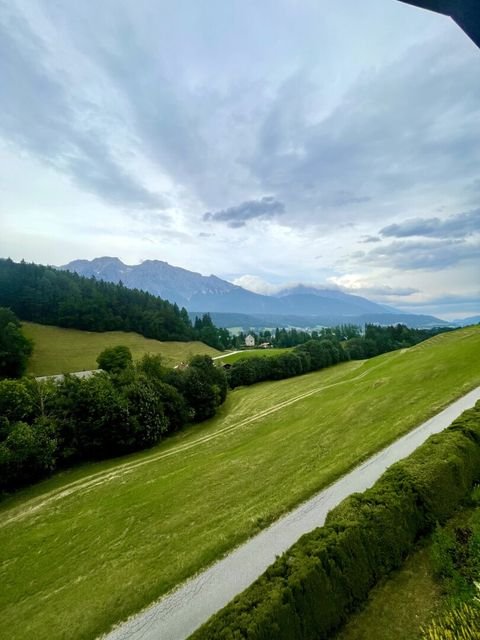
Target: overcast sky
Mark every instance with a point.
(265, 141)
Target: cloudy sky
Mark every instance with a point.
(265, 141)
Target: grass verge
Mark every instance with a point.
(250, 353)
(400, 606)
(413, 596)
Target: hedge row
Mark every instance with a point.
(310, 590)
(311, 356)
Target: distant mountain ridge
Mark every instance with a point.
(463, 322)
(201, 293)
(155, 276)
(255, 322)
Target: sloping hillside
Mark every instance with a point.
(87, 548)
(59, 350)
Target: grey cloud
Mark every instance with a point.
(164, 115)
(406, 129)
(36, 112)
(467, 304)
(186, 126)
(474, 187)
(428, 255)
(387, 291)
(93, 167)
(344, 198)
(461, 225)
(369, 239)
(238, 216)
(450, 299)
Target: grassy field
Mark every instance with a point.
(250, 353)
(60, 350)
(409, 599)
(400, 606)
(87, 548)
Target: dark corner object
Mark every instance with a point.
(466, 13)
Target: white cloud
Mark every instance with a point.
(257, 285)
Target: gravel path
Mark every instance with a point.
(182, 611)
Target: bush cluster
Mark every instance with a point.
(309, 591)
(15, 348)
(49, 425)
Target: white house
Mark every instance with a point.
(249, 341)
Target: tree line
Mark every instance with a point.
(310, 356)
(377, 339)
(360, 342)
(284, 338)
(328, 347)
(47, 425)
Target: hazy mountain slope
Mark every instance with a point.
(155, 276)
(261, 321)
(463, 322)
(209, 293)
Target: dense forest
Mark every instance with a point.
(45, 426)
(49, 296)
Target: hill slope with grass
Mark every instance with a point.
(85, 549)
(58, 350)
(250, 353)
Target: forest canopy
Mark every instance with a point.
(61, 298)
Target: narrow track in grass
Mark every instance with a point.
(102, 477)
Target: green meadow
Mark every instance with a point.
(58, 350)
(399, 606)
(86, 548)
(250, 353)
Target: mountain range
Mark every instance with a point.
(307, 306)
